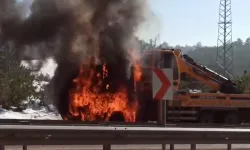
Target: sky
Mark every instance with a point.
(181, 22)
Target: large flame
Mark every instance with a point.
(91, 98)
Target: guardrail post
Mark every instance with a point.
(163, 146)
(106, 147)
(171, 146)
(193, 147)
(2, 147)
(25, 147)
(229, 146)
(164, 118)
(164, 112)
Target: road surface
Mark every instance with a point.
(131, 147)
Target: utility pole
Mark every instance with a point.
(224, 56)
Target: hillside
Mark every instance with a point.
(206, 55)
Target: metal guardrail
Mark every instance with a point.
(113, 123)
(118, 135)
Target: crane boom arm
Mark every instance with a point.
(189, 67)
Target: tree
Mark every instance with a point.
(243, 82)
(164, 45)
(198, 45)
(16, 81)
(247, 43)
(238, 43)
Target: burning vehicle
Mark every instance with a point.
(91, 42)
(98, 93)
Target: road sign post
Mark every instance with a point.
(162, 91)
(162, 88)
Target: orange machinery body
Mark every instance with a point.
(224, 106)
(212, 100)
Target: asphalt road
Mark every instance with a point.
(131, 147)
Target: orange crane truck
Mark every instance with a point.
(224, 104)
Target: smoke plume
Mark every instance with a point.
(72, 31)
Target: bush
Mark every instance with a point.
(16, 81)
(243, 83)
(15, 87)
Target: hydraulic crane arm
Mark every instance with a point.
(185, 66)
(189, 67)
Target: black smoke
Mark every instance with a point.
(72, 32)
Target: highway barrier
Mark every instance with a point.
(120, 135)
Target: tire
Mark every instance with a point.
(206, 117)
(117, 116)
(231, 118)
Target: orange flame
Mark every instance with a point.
(89, 102)
(137, 72)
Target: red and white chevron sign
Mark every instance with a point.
(162, 85)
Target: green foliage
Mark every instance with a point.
(243, 82)
(206, 55)
(16, 81)
(16, 87)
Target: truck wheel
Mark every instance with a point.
(231, 118)
(206, 117)
(117, 116)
